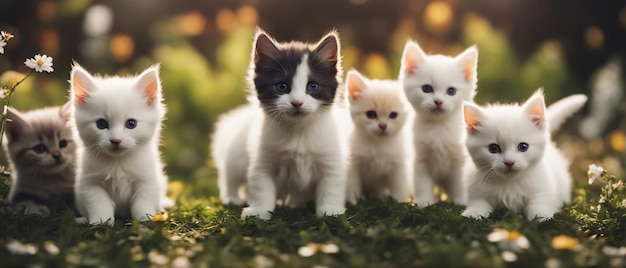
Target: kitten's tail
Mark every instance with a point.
(559, 111)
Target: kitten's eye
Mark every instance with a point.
(523, 147)
(312, 86)
(451, 91)
(494, 148)
(282, 87)
(40, 148)
(102, 124)
(131, 123)
(393, 115)
(62, 143)
(427, 88)
(371, 114)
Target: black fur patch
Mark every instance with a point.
(277, 62)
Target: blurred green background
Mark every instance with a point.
(566, 46)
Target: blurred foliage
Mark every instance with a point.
(204, 50)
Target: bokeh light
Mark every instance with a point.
(121, 47)
(191, 24)
(438, 16)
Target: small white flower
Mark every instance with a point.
(594, 172)
(3, 92)
(51, 248)
(509, 241)
(5, 36)
(2, 44)
(158, 259)
(40, 63)
(181, 262)
(17, 248)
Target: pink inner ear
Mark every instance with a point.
(412, 59)
(354, 86)
(79, 87)
(469, 66)
(151, 89)
(472, 118)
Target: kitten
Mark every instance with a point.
(436, 86)
(118, 121)
(42, 155)
(379, 156)
(517, 166)
(286, 142)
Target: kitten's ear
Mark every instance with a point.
(15, 124)
(473, 115)
(150, 84)
(327, 49)
(66, 111)
(535, 107)
(82, 83)
(412, 57)
(355, 83)
(264, 48)
(468, 60)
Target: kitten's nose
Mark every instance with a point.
(438, 102)
(296, 104)
(115, 142)
(56, 155)
(382, 126)
(508, 163)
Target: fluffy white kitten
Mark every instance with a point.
(118, 121)
(286, 141)
(517, 166)
(436, 86)
(380, 150)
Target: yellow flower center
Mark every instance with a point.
(513, 235)
(590, 174)
(39, 62)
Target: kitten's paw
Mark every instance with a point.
(32, 208)
(424, 202)
(476, 213)
(263, 214)
(81, 220)
(167, 202)
(232, 201)
(541, 214)
(329, 210)
(101, 221)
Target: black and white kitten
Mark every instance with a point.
(286, 144)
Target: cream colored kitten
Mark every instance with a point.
(380, 145)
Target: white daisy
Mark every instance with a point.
(594, 173)
(6, 36)
(40, 63)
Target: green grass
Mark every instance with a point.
(202, 232)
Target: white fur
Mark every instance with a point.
(295, 155)
(380, 159)
(128, 181)
(438, 133)
(538, 183)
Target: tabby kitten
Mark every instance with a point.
(41, 153)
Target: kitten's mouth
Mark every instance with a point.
(117, 151)
(438, 110)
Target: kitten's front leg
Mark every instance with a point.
(353, 185)
(29, 207)
(542, 207)
(331, 190)
(96, 202)
(399, 184)
(145, 203)
(423, 185)
(262, 195)
(477, 208)
(455, 187)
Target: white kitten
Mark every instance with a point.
(380, 151)
(436, 86)
(517, 166)
(119, 121)
(292, 148)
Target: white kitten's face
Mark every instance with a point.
(504, 139)
(115, 115)
(437, 85)
(379, 108)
